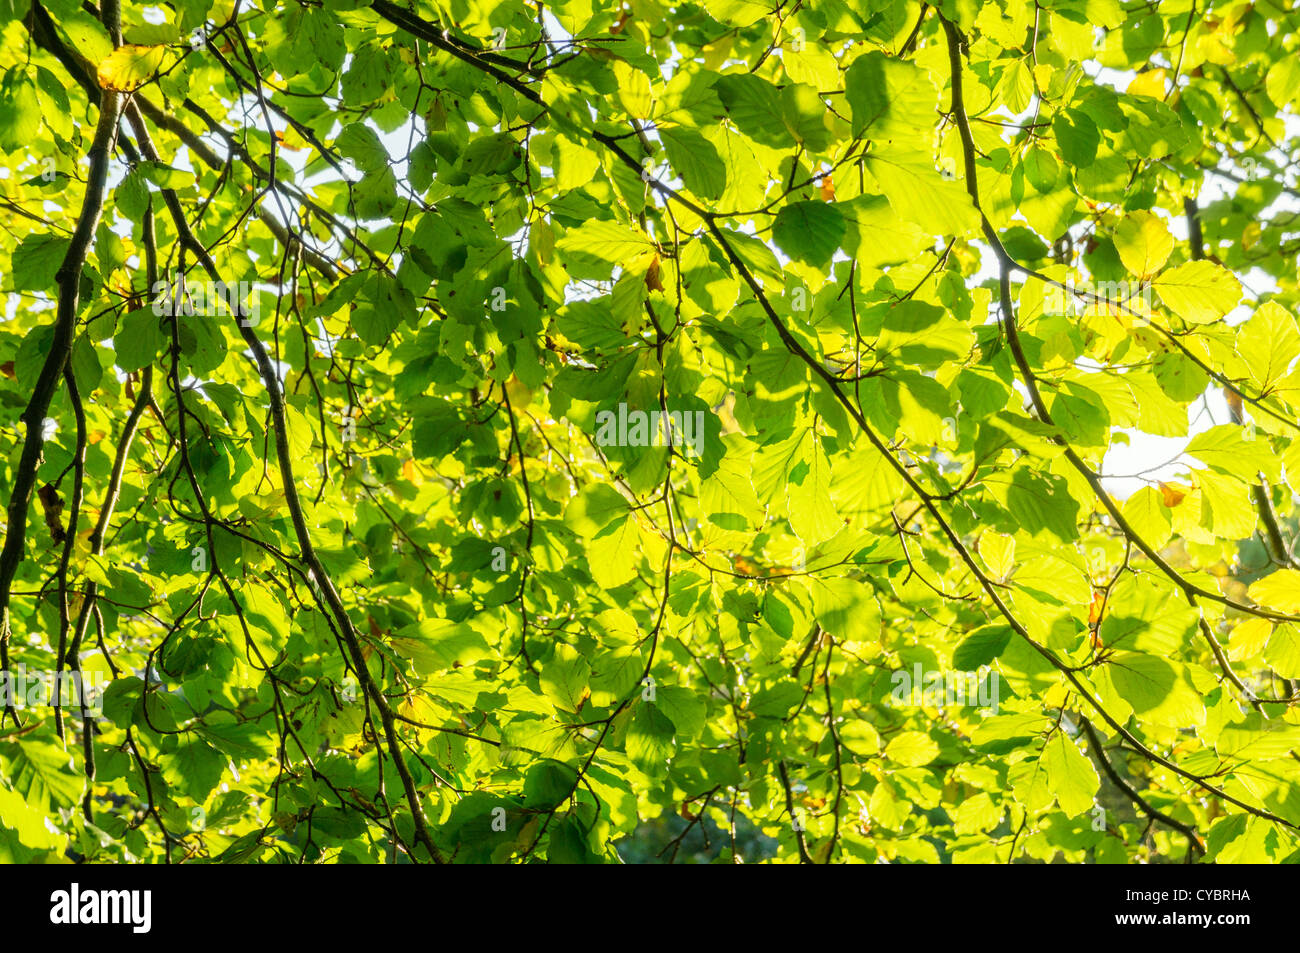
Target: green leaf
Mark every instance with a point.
(1283, 652)
(981, 647)
(1227, 448)
(844, 607)
(195, 768)
(595, 508)
(606, 241)
(435, 645)
(1041, 169)
(804, 112)
(812, 514)
(912, 749)
(20, 110)
(739, 13)
(26, 820)
(809, 231)
(920, 195)
(1070, 775)
(1278, 590)
(754, 105)
(138, 340)
(650, 739)
(491, 155)
(164, 176)
(1077, 137)
(1269, 343)
(696, 160)
(37, 260)
(363, 146)
(685, 708)
(39, 771)
(565, 678)
(1199, 292)
(1143, 242)
(1040, 502)
(890, 98)
(1158, 690)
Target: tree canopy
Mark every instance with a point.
(477, 430)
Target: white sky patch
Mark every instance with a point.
(1136, 459)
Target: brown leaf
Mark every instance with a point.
(1235, 405)
(1172, 494)
(652, 276)
(1098, 604)
(52, 505)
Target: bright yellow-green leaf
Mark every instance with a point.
(1198, 292)
(912, 749)
(1278, 590)
(129, 67)
(1143, 242)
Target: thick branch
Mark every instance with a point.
(33, 417)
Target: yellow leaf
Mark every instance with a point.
(912, 749)
(1248, 639)
(1143, 243)
(129, 67)
(518, 392)
(1250, 236)
(290, 138)
(1199, 292)
(633, 90)
(1280, 591)
(541, 239)
(998, 553)
(1150, 83)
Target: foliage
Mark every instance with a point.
(336, 518)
